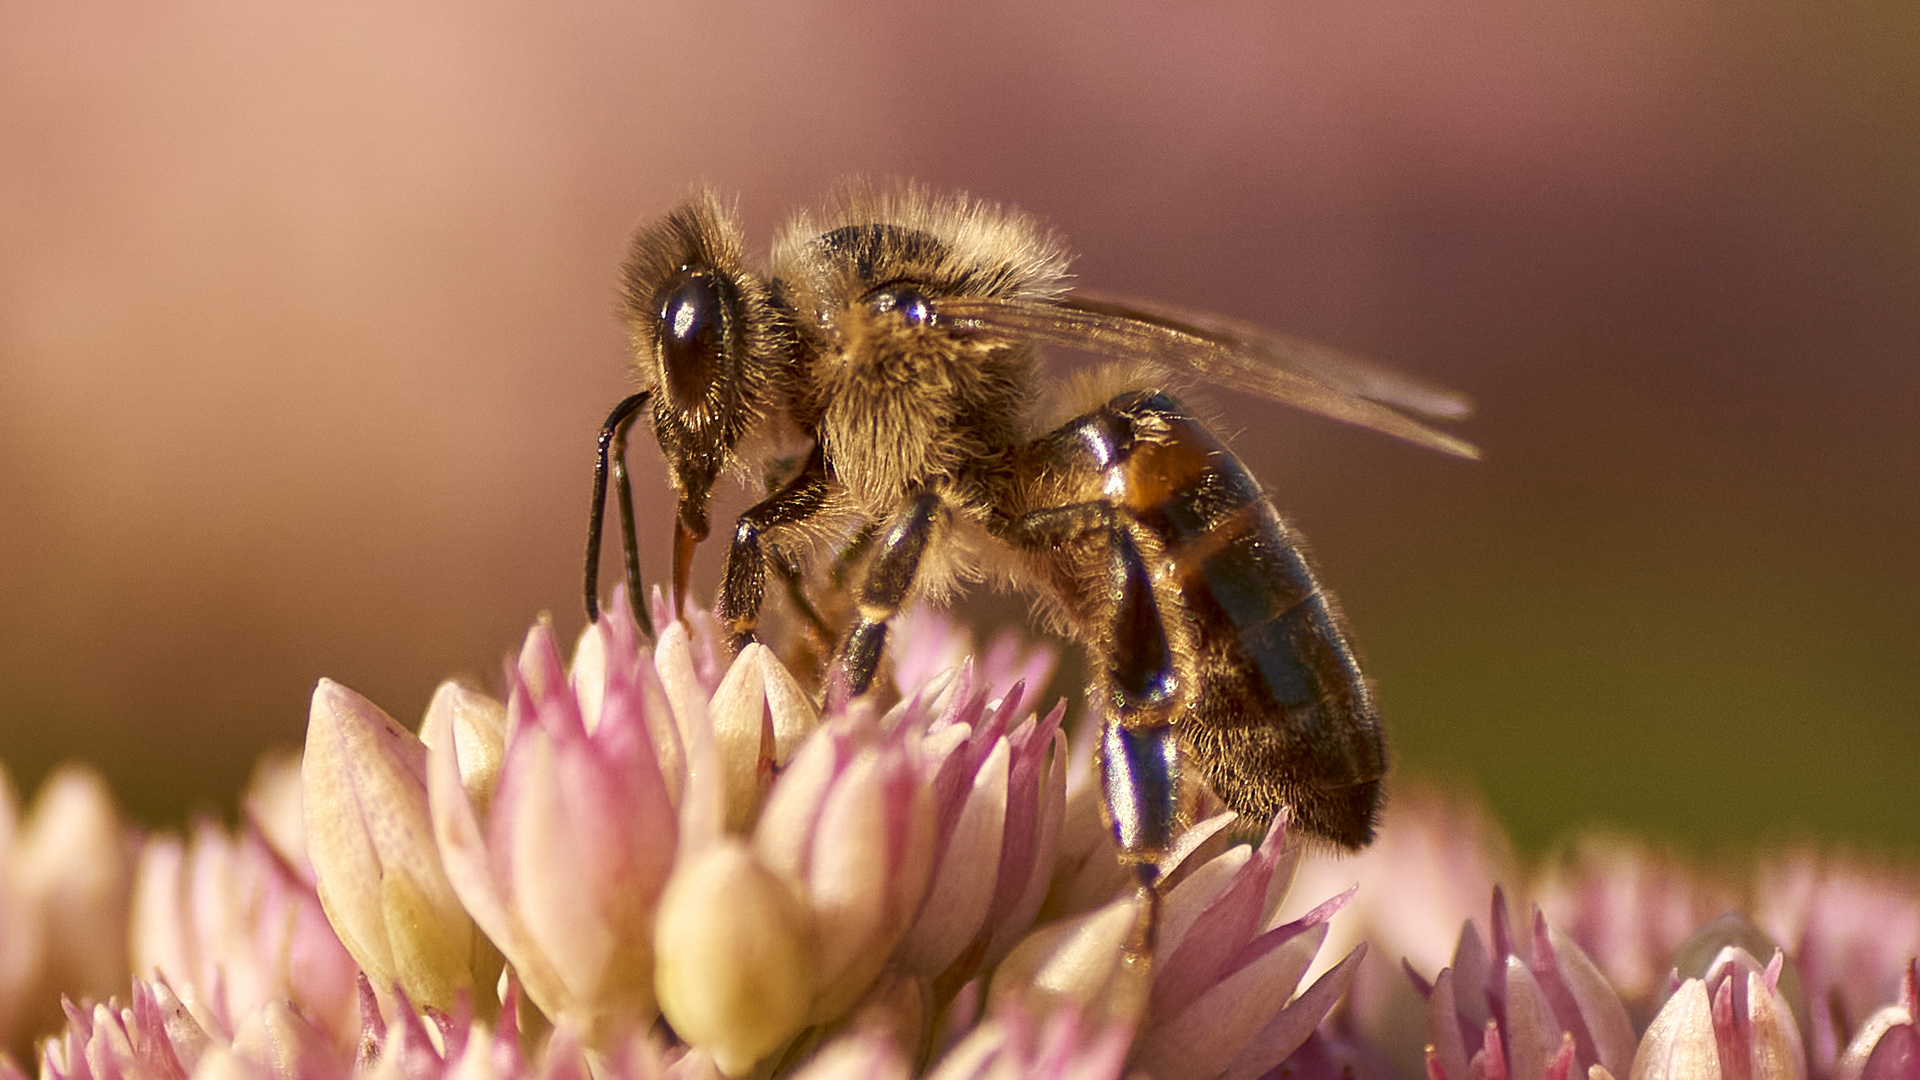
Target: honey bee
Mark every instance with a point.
(891, 344)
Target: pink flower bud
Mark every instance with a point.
(565, 868)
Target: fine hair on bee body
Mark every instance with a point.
(884, 369)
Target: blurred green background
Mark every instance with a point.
(306, 325)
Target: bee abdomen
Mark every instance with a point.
(1280, 711)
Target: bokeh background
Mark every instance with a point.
(306, 325)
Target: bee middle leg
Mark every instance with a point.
(890, 576)
(743, 585)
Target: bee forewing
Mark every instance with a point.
(1259, 347)
(1231, 354)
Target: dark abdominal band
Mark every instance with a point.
(1281, 712)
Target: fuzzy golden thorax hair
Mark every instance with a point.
(905, 401)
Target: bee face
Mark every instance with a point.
(705, 341)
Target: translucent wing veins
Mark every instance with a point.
(1233, 354)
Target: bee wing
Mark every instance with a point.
(1259, 349)
(1233, 354)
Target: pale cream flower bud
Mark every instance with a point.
(1736, 1010)
(479, 727)
(759, 715)
(371, 840)
(733, 955)
(74, 866)
(272, 803)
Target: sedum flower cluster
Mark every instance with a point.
(643, 862)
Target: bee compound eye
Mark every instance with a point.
(695, 320)
(909, 304)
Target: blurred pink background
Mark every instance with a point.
(306, 325)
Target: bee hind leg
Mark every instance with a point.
(1140, 686)
(1139, 753)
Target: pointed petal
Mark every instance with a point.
(1037, 867)
(1188, 899)
(1227, 924)
(1472, 976)
(477, 726)
(788, 706)
(1775, 1048)
(1203, 1039)
(847, 879)
(587, 675)
(73, 856)
(1600, 1012)
(963, 886)
(1679, 1044)
(184, 1034)
(157, 938)
(1075, 960)
(539, 667)
(1187, 846)
(871, 863)
(743, 735)
(1533, 1033)
(462, 844)
(703, 796)
(1289, 1030)
(271, 804)
(554, 890)
(1446, 1039)
(784, 835)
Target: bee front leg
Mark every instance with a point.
(613, 453)
(743, 586)
(889, 582)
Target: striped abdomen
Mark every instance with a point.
(1277, 710)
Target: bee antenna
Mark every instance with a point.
(613, 457)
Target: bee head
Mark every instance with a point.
(704, 342)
